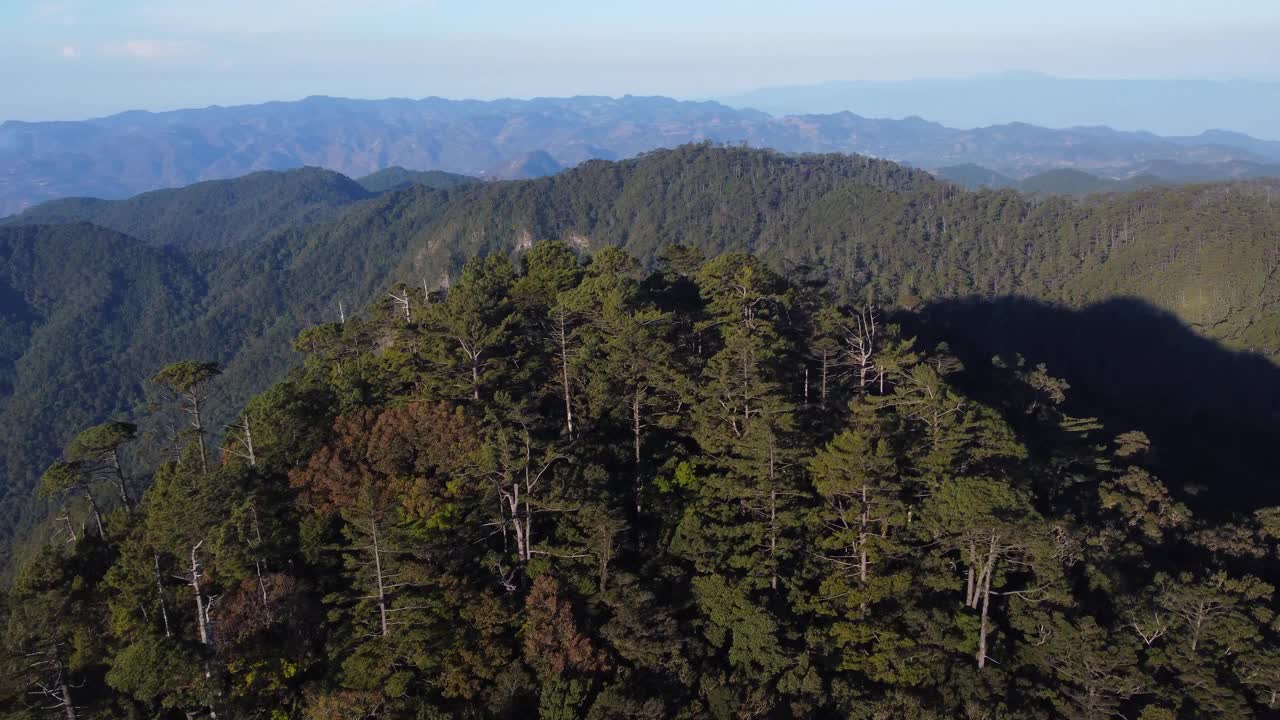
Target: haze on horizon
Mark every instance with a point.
(74, 59)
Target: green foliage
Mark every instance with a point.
(565, 485)
(214, 215)
(398, 178)
(230, 271)
(628, 502)
(186, 376)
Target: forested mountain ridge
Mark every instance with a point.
(880, 232)
(215, 214)
(896, 234)
(567, 488)
(121, 155)
(86, 313)
(68, 362)
(398, 178)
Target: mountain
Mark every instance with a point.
(975, 177)
(214, 214)
(1067, 181)
(1173, 107)
(1174, 171)
(88, 314)
(1203, 255)
(85, 314)
(122, 155)
(1268, 149)
(134, 152)
(571, 486)
(398, 178)
(526, 166)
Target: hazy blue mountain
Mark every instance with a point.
(975, 177)
(526, 166)
(134, 152)
(1269, 149)
(1174, 171)
(1070, 181)
(1173, 107)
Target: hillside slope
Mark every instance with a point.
(1206, 255)
(214, 214)
(1204, 252)
(88, 314)
(398, 178)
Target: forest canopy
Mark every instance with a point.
(572, 487)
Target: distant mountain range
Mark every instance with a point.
(134, 152)
(1170, 107)
(1069, 181)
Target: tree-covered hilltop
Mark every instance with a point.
(84, 313)
(1204, 252)
(1201, 256)
(568, 488)
(213, 215)
(87, 314)
(398, 178)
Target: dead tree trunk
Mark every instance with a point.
(773, 523)
(243, 434)
(863, 523)
(93, 506)
(637, 428)
(202, 607)
(164, 611)
(198, 424)
(560, 333)
(985, 626)
(68, 707)
(118, 479)
(402, 302)
(378, 575)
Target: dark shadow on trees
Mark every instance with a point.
(1212, 413)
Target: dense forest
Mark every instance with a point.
(1134, 299)
(572, 488)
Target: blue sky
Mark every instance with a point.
(62, 59)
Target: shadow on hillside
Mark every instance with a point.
(1212, 413)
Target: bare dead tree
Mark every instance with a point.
(241, 435)
(861, 337)
(192, 578)
(517, 477)
(49, 682)
(402, 301)
(561, 332)
(164, 610)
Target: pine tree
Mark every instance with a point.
(472, 325)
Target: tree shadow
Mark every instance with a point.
(1213, 414)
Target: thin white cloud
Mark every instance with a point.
(256, 17)
(69, 52)
(56, 12)
(150, 50)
